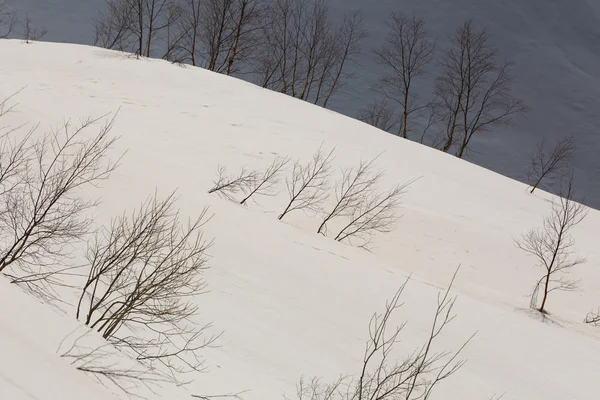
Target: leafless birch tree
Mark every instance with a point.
(405, 55)
(264, 183)
(550, 162)
(414, 376)
(552, 246)
(32, 33)
(376, 213)
(473, 91)
(8, 20)
(137, 25)
(229, 33)
(355, 186)
(41, 208)
(227, 185)
(308, 186)
(303, 53)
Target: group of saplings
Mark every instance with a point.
(359, 206)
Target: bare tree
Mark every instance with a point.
(593, 318)
(473, 91)
(405, 54)
(308, 185)
(346, 48)
(552, 245)
(41, 211)
(113, 26)
(355, 186)
(548, 163)
(144, 272)
(376, 213)
(229, 33)
(414, 377)
(8, 20)
(303, 53)
(186, 48)
(136, 25)
(229, 185)
(31, 33)
(380, 115)
(264, 183)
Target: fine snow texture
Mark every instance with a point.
(291, 302)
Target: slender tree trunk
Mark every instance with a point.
(237, 36)
(150, 28)
(546, 286)
(405, 113)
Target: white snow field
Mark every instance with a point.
(291, 302)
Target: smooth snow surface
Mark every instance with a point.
(291, 302)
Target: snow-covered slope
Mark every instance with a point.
(553, 44)
(292, 302)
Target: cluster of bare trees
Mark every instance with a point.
(292, 46)
(472, 90)
(42, 212)
(142, 272)
(364, 209)
(381, 375)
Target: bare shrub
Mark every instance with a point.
(550, 162)
(8, 20)
(31, 33)
(405, 54)
(229, 185)
(552, 246)
(473, 91)
(375, 213)
(265, 182)
(593, 318)
(145, 269)
(308, 186)
(351, 191)
(41, 208)
(380, 377)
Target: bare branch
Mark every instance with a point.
(31, 33)
(264, 183)
(548, 163)
(308, 185)
(351, 191)
(229, 185)
(405, 55)
(376, 213)
(8, 20)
